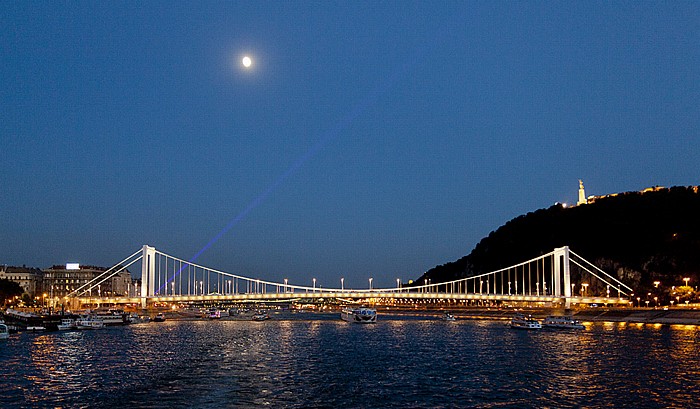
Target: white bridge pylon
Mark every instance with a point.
(560, 276)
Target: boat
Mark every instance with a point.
(67, 324)
(112, 317)
(520, 321)
(214, 314)
(160, 317)
(134, 318)
(261, 316)
(4, 331)
(89, 322)
(562, 322)
(359, 315)
(446, 316)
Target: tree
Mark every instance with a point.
(8, 290)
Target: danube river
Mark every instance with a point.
(317, 361)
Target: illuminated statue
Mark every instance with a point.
(581, 194)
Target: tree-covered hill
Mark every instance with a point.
(641, 237)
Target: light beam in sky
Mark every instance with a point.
(361, 107)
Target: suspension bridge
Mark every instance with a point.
(560, 277)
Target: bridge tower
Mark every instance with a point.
(148, 267)
(562, 274)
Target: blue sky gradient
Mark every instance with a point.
(367, 139)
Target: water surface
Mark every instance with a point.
(318, 361)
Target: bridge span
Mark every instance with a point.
(550, 279)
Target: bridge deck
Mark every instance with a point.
(376, 297)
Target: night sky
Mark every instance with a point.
(367, 139)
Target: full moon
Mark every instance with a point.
(246, 61)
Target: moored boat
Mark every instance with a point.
(446, 316)
(562, 322)
(160, 317)
(89, 322)
(4, 331)
(261, 316)
(359, 315)
(520, 321)
(112, 317)
(67, 324)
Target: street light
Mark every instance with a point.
(342, 283)
(370, 283)
(314, 280)
(585, 289)
(686, 279)
(285, 285)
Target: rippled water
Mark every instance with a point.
(318, 361)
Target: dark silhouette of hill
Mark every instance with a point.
(640, 237)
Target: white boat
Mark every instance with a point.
(89, 322)
(160, 317)
(520, 321)
(214, 314)
(359, 315)
(67, 324)
(562, 322)
(446, 316)
(4, 331)
(112, 317)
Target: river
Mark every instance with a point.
(317, 361)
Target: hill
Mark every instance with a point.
(641, 237)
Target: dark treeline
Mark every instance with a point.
(640, 237)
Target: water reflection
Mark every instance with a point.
(329, 363)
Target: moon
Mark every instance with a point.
(246, 61)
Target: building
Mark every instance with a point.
(29, 279)
(60, 281)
